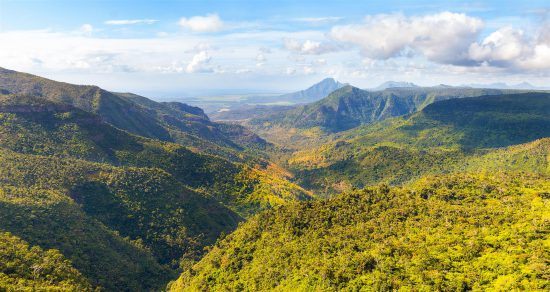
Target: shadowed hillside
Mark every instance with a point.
(173, 122)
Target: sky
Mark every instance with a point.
(201, 48)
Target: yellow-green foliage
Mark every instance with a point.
(461, 232)
(26, 268)
(357, 165)
(34, 126)
(117, 225)
(446, 136)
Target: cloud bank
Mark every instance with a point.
(443, 46)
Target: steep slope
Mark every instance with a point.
(130, 220)
(476, 122)
(173, 122)
(26, 268)
(466, 232)
(112, 108)
(35, 126)
(349, 107)
(447, 136)
(115, 224)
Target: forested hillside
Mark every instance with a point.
(35, 126)
(26, 268)
(349, 107)
(460, 232)
(116, 225)
(174, 122)
(405, 188)
(447, 136)
(126, 211)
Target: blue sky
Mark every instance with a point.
(183, 48)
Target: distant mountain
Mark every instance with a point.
(350, 107)
(393, 84)
(311, 94)
(501, 85)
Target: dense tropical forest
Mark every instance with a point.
(402, 188)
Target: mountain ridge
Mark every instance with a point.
(172, 122)
(349, 107)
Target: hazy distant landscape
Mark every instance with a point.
(289, 146)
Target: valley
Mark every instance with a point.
(399, 187)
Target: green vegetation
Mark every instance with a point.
(349, 107)
(463, 232)
(34, 126)
(26, 268)
(447, 136)
(116, 192)
(173, 122)
(125, 210)
(115, 224)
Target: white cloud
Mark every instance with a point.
(309, 47)
(502, 46)
(208, 23)
(512, 48)
(265, 50)
(130, 21)
(444, 37)
(200, 63)
(83, 57)
(318, 20)
(87, 28)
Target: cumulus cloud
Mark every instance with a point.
(512, 48)
(208, 23)
(444, 37)
(320, 62)
(200, 63)
(309, 47)
(130, 21)
(501, 47)
(265, 50)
